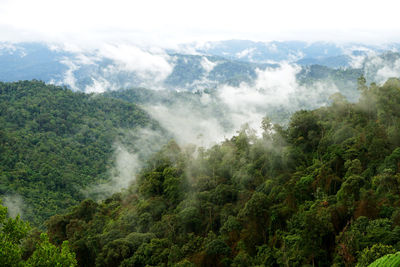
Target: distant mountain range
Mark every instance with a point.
(207, 66)
(303, 53)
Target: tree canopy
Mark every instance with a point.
(55, 142)
(323, 191)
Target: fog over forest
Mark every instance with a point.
(224, 133)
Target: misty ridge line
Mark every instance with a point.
(112, 66)
(158, 71)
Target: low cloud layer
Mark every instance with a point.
(188, 124)
(274, 88)
(379, 69)
(219, 115)
(149, 66)
(204, 119)
(113, 66)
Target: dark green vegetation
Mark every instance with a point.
(18, 250)
(54, 142)
(323, 191)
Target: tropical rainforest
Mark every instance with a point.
(322, 190)
(54, 142)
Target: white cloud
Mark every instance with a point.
(387, 72)
(272, 47)
(218, 116)
(99, 85)
(273, 88)
(376, 67)
(207, 64)
(189, 125)
(7, 48)
(357, 59)
(132, 58)
(245, 53)
(140, 67)
(127, 165)
(69, 77)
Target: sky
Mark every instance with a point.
(167, 23)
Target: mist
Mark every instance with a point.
(203, 110)
(205, 118)
(112, 66)
(131, 150)
(216, 116)
(15, 205)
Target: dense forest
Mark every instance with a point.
(320, 191)
(54, 142)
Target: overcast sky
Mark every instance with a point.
(167, 22)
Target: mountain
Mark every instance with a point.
(57, 145)
(271, 163)
(121, 66)
(27, 61)
(102, 70)
(304, 53)
(274, 51)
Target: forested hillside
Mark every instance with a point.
(55, 142)
(322, 191)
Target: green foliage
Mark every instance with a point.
(322, 191)
(13, 242)
(217, 247)
(55, 142)
(387, 260)
(12, 232)
(369, 255)
(48, 255)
